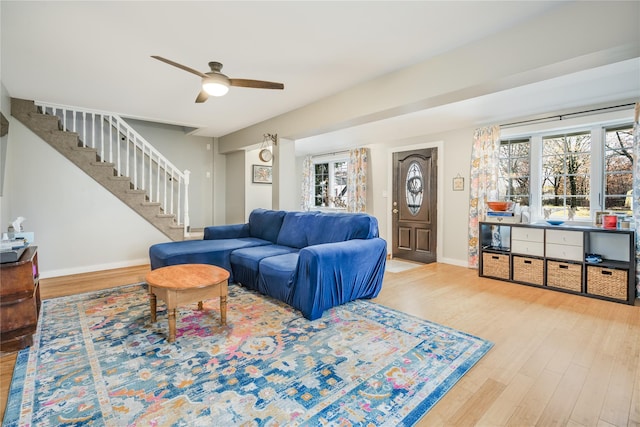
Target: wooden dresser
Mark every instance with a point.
(19, 301)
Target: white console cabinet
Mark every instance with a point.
(554, 257)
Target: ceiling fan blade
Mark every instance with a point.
(182, 67)
(202, 96)
(255, 84)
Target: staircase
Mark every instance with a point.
(117, 157)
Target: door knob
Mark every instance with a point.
(395, 211)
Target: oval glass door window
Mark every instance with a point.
(414, 188)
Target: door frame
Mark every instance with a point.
(440, 186)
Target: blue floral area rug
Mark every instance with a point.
(97, 359)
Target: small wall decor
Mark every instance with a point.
(268, 140)
(458, 183)
(261, 174)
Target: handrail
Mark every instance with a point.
(115, 141)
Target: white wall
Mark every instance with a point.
(219, 185)
(79, 226)
(5, 107)
(284, 189)
(235, 176)
(195, 153)
(257, 195)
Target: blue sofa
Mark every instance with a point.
(310, 260)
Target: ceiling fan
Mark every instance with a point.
(215, 83)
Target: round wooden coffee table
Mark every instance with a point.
(184, 284)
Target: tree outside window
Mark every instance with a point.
(515, 171)
(566, 168)
(321, 184)
(618, 169)
(330, 184)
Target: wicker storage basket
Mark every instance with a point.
(495, 265)
(564, 275)
(607, 282)
(528, 270)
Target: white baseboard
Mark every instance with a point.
(92, 268)
(458, 262)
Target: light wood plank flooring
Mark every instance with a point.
(558, 359)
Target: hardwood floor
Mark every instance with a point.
(558, 359)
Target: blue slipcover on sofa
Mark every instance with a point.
(310, 260)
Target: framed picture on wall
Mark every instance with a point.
(261, 174)
(458, 183)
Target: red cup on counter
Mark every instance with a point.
(610, 221)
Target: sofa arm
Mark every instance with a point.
(331, 274)
(232, 231)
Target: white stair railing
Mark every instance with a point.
(132, 156)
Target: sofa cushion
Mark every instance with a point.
(214, 252)
(265, 224)
(244, 262)
(294, 229)
(340, 227)
(232, 231)
(277, 276)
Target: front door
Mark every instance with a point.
(414, 205)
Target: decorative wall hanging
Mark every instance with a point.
(458, 183)
(262, 174)
(265, 148)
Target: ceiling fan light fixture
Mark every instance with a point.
(216, 85)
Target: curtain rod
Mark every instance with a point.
(330, 154)
(568, 115)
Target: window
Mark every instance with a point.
(514, 174)
(618, 169)
(571, 175)
(330, 184)
(566, 171)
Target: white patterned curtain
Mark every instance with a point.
(483, 182)
(636, 189)
(357, 180)
(306, 200)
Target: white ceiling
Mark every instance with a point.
(97, 55)
(619, 82)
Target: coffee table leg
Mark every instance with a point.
(200, 305)
(223, 310)
(152, 300)
(172, 325)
